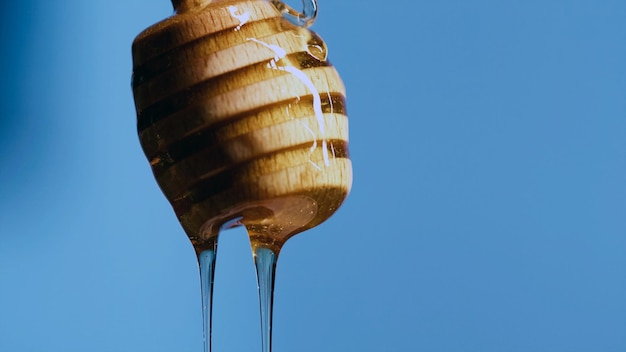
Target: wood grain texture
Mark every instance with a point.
(241, 115)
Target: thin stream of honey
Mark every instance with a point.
(265, 262)
(206, 260)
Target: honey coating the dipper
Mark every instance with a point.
(242, 116)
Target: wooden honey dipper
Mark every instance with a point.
(242, 119)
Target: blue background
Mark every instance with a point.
(487, 213)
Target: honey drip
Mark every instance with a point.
(243, 120)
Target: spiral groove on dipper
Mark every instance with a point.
(238, 109)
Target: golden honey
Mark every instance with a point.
(241, 116)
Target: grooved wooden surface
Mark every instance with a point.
(240, 114)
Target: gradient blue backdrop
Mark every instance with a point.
(487, 213)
